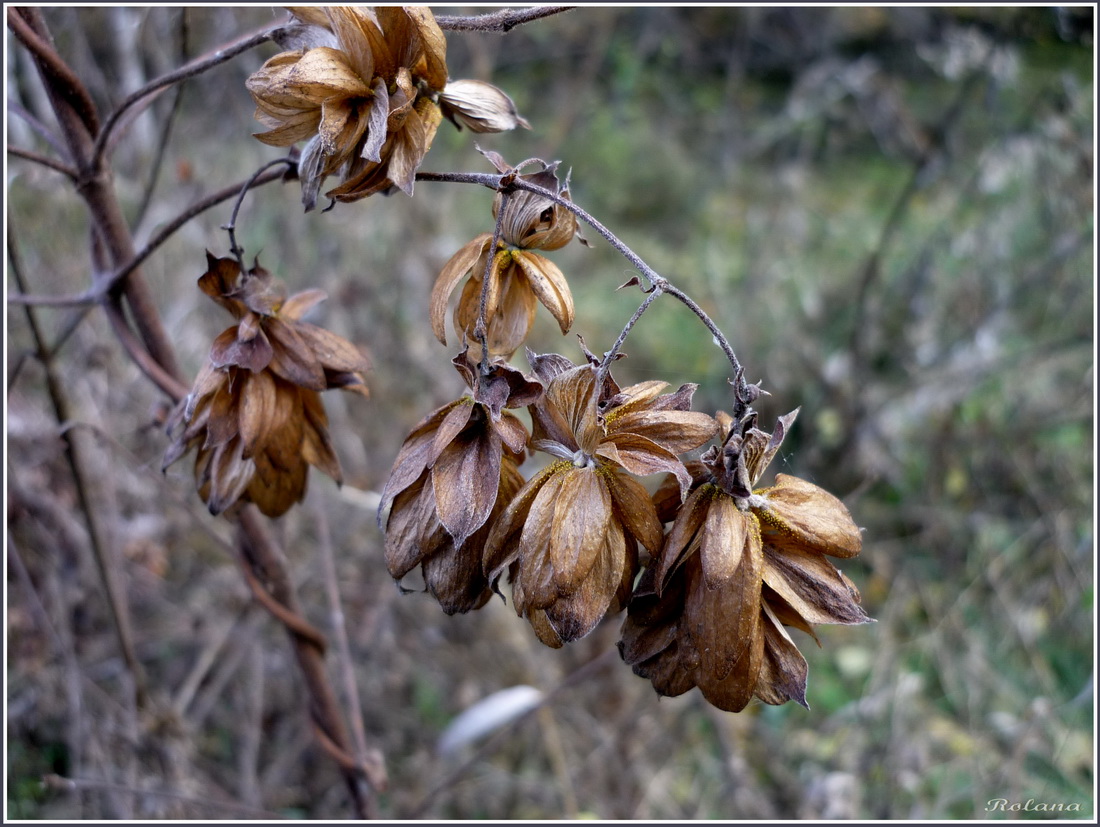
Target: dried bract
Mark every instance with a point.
(255, 414)
(737, 566)
(480, 107)
(453, 476)
(518, 277)
(569, 539)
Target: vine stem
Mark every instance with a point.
(658, 284)
(231, 227)
(102, 286)
(500, 21)
(609, 357)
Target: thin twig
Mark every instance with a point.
(43, 160)
(363, 753)
(231, 227)
(58, 782)
(504, 182)
(81, 478)
(500, 21)
(38, 128)
(165, 132)
(609, 357)
(108, 283)
(265, 558)
(192, 69)
(172, 387)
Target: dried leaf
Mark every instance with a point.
(783, 670)
(633, 507)
(456, 268)
(577, 614)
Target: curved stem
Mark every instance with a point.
(231, 227)
(172, 387)
(658, 283)
(50, 62)
(108, 283)
(195, 67)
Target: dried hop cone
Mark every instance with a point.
(569, 539)
(255, 414)
(453, 476)
(518, 278)
(363, 86)
(737, 566)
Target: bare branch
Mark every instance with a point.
(172, 387)
(500, 21)
(659, 284)
(192, 69)
(43, 160)
(50, 62)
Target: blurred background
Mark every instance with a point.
(888, 211)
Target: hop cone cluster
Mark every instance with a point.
(709, 599)
(254, 415)
(366, 88)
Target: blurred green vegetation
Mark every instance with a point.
(888, 211)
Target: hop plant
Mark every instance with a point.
(364, 90)
(254, 415)
(738, 564)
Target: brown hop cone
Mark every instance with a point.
(518, 278)
(365, 91)
(454, 475)
(254, 414)
(569, 538)
(480, 107)
(738, 565)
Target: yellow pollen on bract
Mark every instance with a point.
(774, 521)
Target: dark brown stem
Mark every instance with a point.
(265, 560)
(23, 23)
(231, 227)
(173, 388)
(500, 21)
